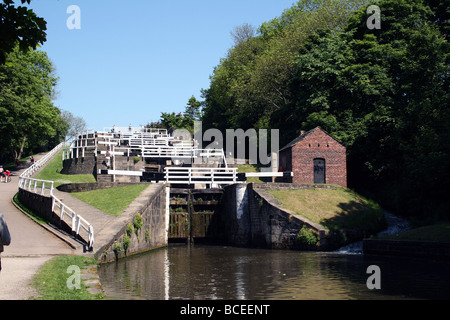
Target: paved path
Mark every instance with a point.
(31, 246)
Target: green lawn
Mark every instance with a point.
(52, 172)
(51, 280)
(334, 209)
(246, 168)
(113, 200)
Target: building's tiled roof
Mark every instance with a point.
(304, 135)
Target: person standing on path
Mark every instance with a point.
(5, 237)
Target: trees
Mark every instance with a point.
(184, 120)
(252, 82)
(73, 124)
(383, 93)
(243, 33)
(19, 26)
(29, 118)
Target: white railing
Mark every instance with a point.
(135, 130)
(169, 152)
(211, 176)
(138, 142)
(42, 162)
(152, 144)
(76, 222)
(77, 152)
(36, 186)
(41, 186)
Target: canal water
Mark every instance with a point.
(205, 272)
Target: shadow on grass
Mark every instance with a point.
(359, 217)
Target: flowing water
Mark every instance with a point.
(395, 225)
(221, 272)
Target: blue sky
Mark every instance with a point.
(132, 60)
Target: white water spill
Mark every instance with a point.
(395, 225)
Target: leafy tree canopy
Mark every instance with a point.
(29, 118)
(19, 25)
(382, 92)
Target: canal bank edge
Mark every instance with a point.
(410, 248)
(91, 280)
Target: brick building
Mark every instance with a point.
(315, 157)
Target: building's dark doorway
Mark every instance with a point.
(319, 171)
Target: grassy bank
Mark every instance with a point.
(333, 209)
(113, 200)
(52, 172)
(250, 168)
(51, 280)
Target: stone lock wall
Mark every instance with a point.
(152, 234)
(86, 165)
(90, 186)
(276, 227)
(252, 218)
(124, 163)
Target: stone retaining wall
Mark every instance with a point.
(253, 218)
(278, 227)
(42, 206)
(153, 233)
(249, 216)
(86, 165)
(83, 187)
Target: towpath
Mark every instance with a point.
(31, 246)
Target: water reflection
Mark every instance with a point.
(214, 272)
